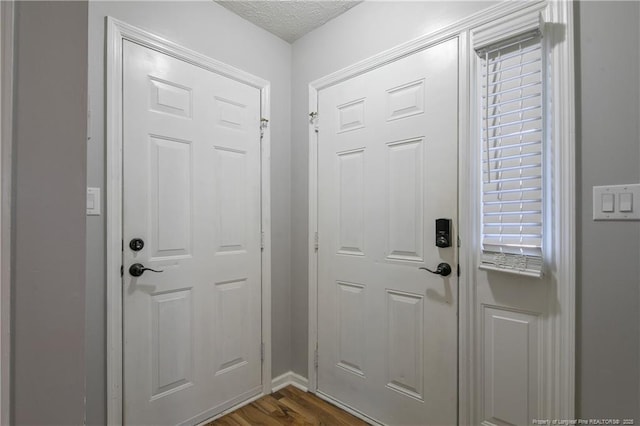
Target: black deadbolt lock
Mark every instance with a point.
(136, 244)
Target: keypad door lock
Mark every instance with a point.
(136, 244)
(443, 233)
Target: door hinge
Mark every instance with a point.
(315, 358)
(315, 241)
(264, 123)
(459, 242)
(121, 271)
(314, 120)
(262, 241)
(458, 269)
(88, 119)
(262, 352)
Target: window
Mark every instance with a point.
(512, 97)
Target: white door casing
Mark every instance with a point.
(387, 169)
(196, 162)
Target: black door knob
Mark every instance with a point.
(138, 269)
(443, 269)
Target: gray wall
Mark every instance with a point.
(214, 31)
(363, 31)
(608, 320)
(49, 171)
(56, 322)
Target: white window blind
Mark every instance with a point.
(513, 114)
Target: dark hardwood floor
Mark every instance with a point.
(288, 406)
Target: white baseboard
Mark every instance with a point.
(284, 380)
(290, 378)
(302, 383)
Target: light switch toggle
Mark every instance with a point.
(608, 203)
(626, 202)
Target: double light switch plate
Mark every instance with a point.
(616, 202)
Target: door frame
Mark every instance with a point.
(561, 355)
(6, 148)
(117, 33)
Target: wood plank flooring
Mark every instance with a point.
(288, 406)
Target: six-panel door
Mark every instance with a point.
(192, 192)
(387, 169)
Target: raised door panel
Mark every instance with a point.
(170, 98)
(405, 215)
(171, 342)
(405, 342)
(231, 114)
(405, 101)
(231, 206)
(231, 325)
(511, 346)
(170, 197)
(351, 116)
(351, 202)
(351, 327)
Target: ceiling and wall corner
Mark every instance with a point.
(288, 20)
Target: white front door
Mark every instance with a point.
(191, 172)
(387, 333)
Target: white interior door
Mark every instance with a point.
(387, 333)
(191, 172)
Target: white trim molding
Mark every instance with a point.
(559, 359)
(117, 32)
(313, 242)
(6, 144)
(560, 17)
(289, 378)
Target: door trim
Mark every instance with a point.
(561, 356)
(6, 148)
(117, 33)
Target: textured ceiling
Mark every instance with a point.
(288, 19)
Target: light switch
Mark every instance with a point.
(608, 202)
(626, 202)
(93, 201)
